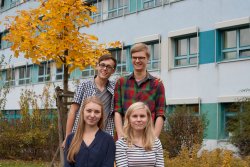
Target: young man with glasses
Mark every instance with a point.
(99, 86)
(140, 86)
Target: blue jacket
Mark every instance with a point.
(100, 153)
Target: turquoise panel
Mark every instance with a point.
(132, 6)
(34, 73)
(207, 47)
(210, 110)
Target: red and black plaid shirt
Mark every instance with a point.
(150, 90)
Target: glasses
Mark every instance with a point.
(139, 58)
(108, 67)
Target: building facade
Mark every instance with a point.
(200, 50)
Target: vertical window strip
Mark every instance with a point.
(44, 72)
(59, 72)
(10, 76)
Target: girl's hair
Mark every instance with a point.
(148, 134)
(77, 139)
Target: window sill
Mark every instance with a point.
(187, 66)
(233, 60)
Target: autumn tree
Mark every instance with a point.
(50, 32)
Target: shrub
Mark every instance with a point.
(184, 129)
(215, 158)
(240, 128)
(34, 135)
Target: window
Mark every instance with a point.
(59, 73)
(4, 44)
(10, 77)
(44, 72)
(235, 43)
(2, 3)
(193, 108)
(121, 67)
(24, 75)
(229, 112)
(11, 115)
(97, 16)
(117, 8)
(88, 72)
(154, 61)
(185, 51)
(151, 3)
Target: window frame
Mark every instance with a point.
(182, 34)
(26, 78)
(237, 48)
(3, 43)
(90, 70)
(114, 11)
(46, 76)
(188, 55)
(10, 80)
(121, 65)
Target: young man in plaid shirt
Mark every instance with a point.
(99, 86)
(140, 86)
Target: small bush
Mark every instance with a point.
(184, 130)
(33, 136)
(216, 158)
(240, 128)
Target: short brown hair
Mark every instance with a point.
(107, 57)
(138, 47)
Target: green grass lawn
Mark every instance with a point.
(18, 163)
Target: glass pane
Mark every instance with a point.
(181, 47)
(193, 45)
(122, 3)
(28, 72)
(156, 52)
(85, 73)
(155, 65)
(40, 79)
(124, 56)
(112, 4)
(27, 81)
(158, 2)
(231, 107)
(59, 77)
(92, 72)
(181, 62)
(230, 55)
(124, 69)
(21, 72)
(193, 60)
(41, 69)
(47, 78)
(229, 39)
(119, 53)
(118, 69)
(245, 53)
(193, 108)
(59, 70)
(245, 37)
(120, 12)
(21, 82)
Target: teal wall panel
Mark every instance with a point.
(34, 74)
(210, 110)
(207, 47)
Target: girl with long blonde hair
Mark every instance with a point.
(90, 146)
(139, 146)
